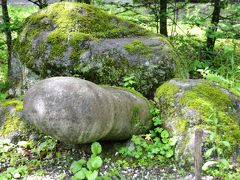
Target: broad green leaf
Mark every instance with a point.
(77, 166)
(80, 175)
(225, 143)
(158, 129)
(225, 163)
(106, 177)
(169, 153)
(96, 148)
(165, 140)
(165, 134)
(92, 175)
(157, 121)
(5, 176)
(74, 178)
(208, 153)
(96, 162)
(89, 165)
(208, 164)
(172, 141)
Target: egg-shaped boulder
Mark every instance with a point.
(77, 111)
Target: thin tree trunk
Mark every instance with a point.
(211, 37)
(7, 30)
(156, 16)
(163, 17)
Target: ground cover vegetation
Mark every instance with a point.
(205, 35)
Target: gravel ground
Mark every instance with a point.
(55, 169)
(141, 173)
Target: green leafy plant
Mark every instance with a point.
(46, 148)
(16, 160)
(83, 169)
(217, 162)
(129, 81)
(232, 84)
(155, 147)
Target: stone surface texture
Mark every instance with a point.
(77, 111)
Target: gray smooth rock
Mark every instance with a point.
(78, 111)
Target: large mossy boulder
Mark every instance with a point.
(73, 39)
(188, 105)
(77, 111)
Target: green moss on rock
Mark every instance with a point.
(74, 22)
(12, 123)
(206, 98)
(14, 103)
(182, 125)
(57, 39)
(138, 47)
(167, 92)
(212, 102)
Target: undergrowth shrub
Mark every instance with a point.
(157, 147)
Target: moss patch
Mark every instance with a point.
(182, 125)
(135, 116)
(138, 47)
(206, 98)
(12, 124)
(167, 91)
(14, 103)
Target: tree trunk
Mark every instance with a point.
(7, 30)
(211, 37)
(163, 17)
